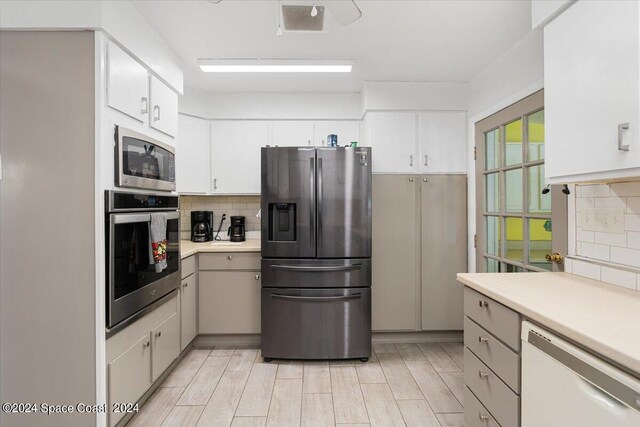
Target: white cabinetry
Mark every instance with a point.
(393, 138)
(591, 65)
(291, 133)
(193, 169)
(347, 131)
(127, 84)
(235, 156)
(164, 108)
(442, 138)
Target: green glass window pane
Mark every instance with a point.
(539, 242)
(492, 266)
(514, 243)
(492, 149)
(513, 190)
(493, 235)
(538, 202)
(513, 140)
(492, 191)
(535, 132)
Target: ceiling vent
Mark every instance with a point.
(298, 18)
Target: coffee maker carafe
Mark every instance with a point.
(201, 226)
(236, 230)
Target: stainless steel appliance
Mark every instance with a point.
(132, 284)
(236, 229)
(201, 226)
(143, 162)
(316, 253)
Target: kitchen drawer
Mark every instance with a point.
(497, 356)
(494, 394)
(475, 414)
(496, 318)
(188, 266)
(230, 261)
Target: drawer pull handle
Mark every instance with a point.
(257, 277)
(483, 340)
(483, 417)
(483, 375)
(482, 303)
(230, 257)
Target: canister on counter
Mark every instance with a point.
(332, 140)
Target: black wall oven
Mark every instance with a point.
(132, 283)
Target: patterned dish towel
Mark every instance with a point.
(159, 240)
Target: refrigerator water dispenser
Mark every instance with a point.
(282, 222)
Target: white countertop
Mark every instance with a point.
(601, 317)
(188, 248)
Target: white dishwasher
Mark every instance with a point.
(563, 385)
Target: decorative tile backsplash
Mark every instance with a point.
(607, 233)
(248, 206)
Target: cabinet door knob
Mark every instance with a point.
(185, 284)
(425, 179)
(411, 160)
(257, 277)
(483, 375)
(145, 345)
(156, 113)
(622, 128)
(144, 105)
(158, 334)
(483, 340)
(411, 179)
(482, 303)
(483, 417)
(230, 257)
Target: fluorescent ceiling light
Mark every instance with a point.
(274, 66)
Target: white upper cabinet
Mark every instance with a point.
(392, 137)
(164, 108)
(127, 84)
(443, 142)
(235, 155)
(591, 66)
(292, 133)
(193, 168)
(347, 131)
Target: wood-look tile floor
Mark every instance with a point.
(402, 384)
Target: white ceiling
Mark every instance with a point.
(419, 40)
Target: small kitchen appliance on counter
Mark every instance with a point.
(236, 230)
(201, 226)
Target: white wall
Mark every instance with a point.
(414, 96)
(516, 74)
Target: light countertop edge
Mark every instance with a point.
(188, 248)
(601, 317)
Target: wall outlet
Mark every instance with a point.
(606, 220)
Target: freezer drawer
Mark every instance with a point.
(316, 323)
(316, 273)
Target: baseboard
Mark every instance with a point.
(416, 337)
(211, 340)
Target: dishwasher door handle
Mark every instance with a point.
(316, 299)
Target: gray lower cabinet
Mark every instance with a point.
(188, 310)
(419, 245)
(229, 293)
(139, 354)
(491, 362)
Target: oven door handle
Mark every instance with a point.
(316, 299)
(139, 217)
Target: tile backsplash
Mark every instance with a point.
(248, 206)
(610, 256)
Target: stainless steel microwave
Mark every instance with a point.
(143, 162)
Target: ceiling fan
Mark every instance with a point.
(344, 11)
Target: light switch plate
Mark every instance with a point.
(606, 220)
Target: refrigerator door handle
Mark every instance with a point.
(320, 202)
(316, 299)
(317, 269)
(312, 208)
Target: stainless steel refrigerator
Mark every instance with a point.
(316, 253)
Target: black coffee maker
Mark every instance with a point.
(201, 226)
(236, 230)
